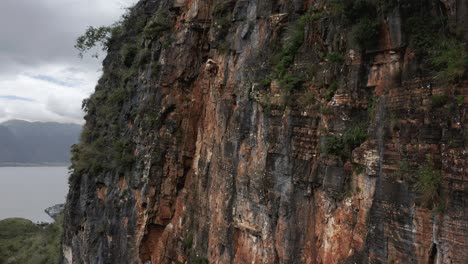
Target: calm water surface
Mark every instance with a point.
(26, 191)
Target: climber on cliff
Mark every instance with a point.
(211, 66)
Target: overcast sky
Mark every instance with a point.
(41, 76)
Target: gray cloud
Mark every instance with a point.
(51, 79)
(15, 98)
(39, 31)
(60, 107)
(36, 51)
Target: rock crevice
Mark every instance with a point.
(272, 132)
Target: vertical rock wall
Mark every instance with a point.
(228, 166)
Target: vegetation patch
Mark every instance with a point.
(343, 146)
(362, 16)
(331, 90)
(22, 241)
(159, 23)
(403, 169)
(335, 57)
(307, 99)
(333, 145)
(325, 110)
(438, 100)
(428, 185)
(222, 18)
(366, 33)
(355, 136)
(284, 60)
(199, 260)
(450, 59)
(128, 53)
(93, 37)
(437, 42)
(105, 144)
(291, 82)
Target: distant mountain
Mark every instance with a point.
(23, 142)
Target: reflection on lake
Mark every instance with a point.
(26, 191)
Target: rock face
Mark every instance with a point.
(54, 211)
(274, 132)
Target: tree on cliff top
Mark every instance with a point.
(93, 37)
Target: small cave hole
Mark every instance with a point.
(234, 99)
(433, 256)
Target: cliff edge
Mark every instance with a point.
(276, 131)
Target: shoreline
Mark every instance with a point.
(15, 165)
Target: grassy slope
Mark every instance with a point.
(21, 241)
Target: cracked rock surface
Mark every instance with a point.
(256, 131)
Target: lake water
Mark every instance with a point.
(26, 191)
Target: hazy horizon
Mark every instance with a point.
(27, 191)
(23, 142)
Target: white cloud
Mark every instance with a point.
(53, 100)
(38, 61)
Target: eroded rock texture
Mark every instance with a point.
(258, 131)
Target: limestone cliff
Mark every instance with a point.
(276, 131)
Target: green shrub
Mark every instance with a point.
(324, 110)
(351, 11)
(144, 56)
(356, 10)
(128, 53)
(86, 158)
(106, 152)
(333, 146)
(222, 16)
(291, 45)
(366, 34)
(188, 242)
(266, 82)
(403, 168)
(118, 96)
(122, 154)
(451, 60)
(371, 103)
(421, 34)
(460, 99)
(355, 136)
(159, 23)
(335, 57)
(116, 31)
(337, 8)
(360, 170)
(386, 6)
(428, 185)
(199, 260)
(438, 100)
(21, 241)
(222, 8)
(291, 82)
(93, 37)
(223, 47)
(307, 99)
(166, 43)
(357, 189)
(342, 146)
(12, 227)
(437, 44)
(331, 90)
(101, 229)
